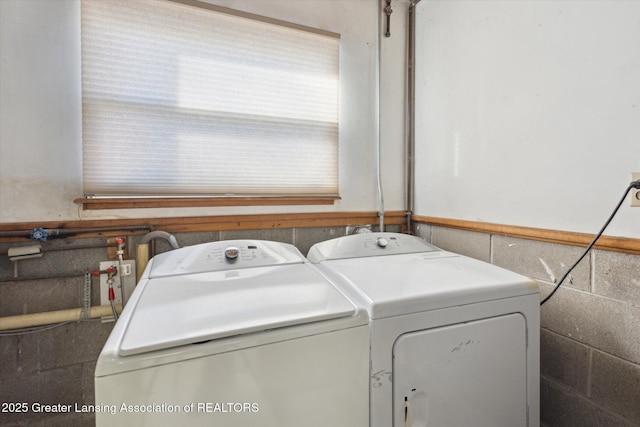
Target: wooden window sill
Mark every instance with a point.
(183, 202)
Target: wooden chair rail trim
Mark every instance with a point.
(110, 227)
(610, 243)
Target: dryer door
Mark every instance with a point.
(469, 374)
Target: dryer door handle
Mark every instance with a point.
(408, 416)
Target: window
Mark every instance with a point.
(199, 101)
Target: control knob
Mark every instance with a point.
(231, 253)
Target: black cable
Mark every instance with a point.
(633, 184)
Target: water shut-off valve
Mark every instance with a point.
(110, 272)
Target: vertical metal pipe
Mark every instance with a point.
(411, 80)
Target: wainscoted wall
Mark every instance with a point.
(55, 365)
(590, 339)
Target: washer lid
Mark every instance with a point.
(172, 311)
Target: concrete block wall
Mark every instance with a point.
(590, 337)
(55, 364)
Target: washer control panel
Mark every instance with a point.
(368, 244)
(224, 255)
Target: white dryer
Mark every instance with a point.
(235, 333)
(454, 341)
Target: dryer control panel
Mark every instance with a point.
(368, 244)
(224, 255)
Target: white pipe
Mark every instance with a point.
(379, 112)
(50, 317)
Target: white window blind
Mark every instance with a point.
(186, 100)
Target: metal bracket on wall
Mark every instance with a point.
(388, 11)
(85, 314)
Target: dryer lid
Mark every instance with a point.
(173, 311)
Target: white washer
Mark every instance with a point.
(454, 341)
(235, 333)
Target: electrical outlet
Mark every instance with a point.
(635, 193)
(128, 273)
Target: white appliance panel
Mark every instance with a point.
(469, 374)
(368, 245)
(313, 381)
(224, 255)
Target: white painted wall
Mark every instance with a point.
(40, 108)
(528, 112)
(40, 151)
